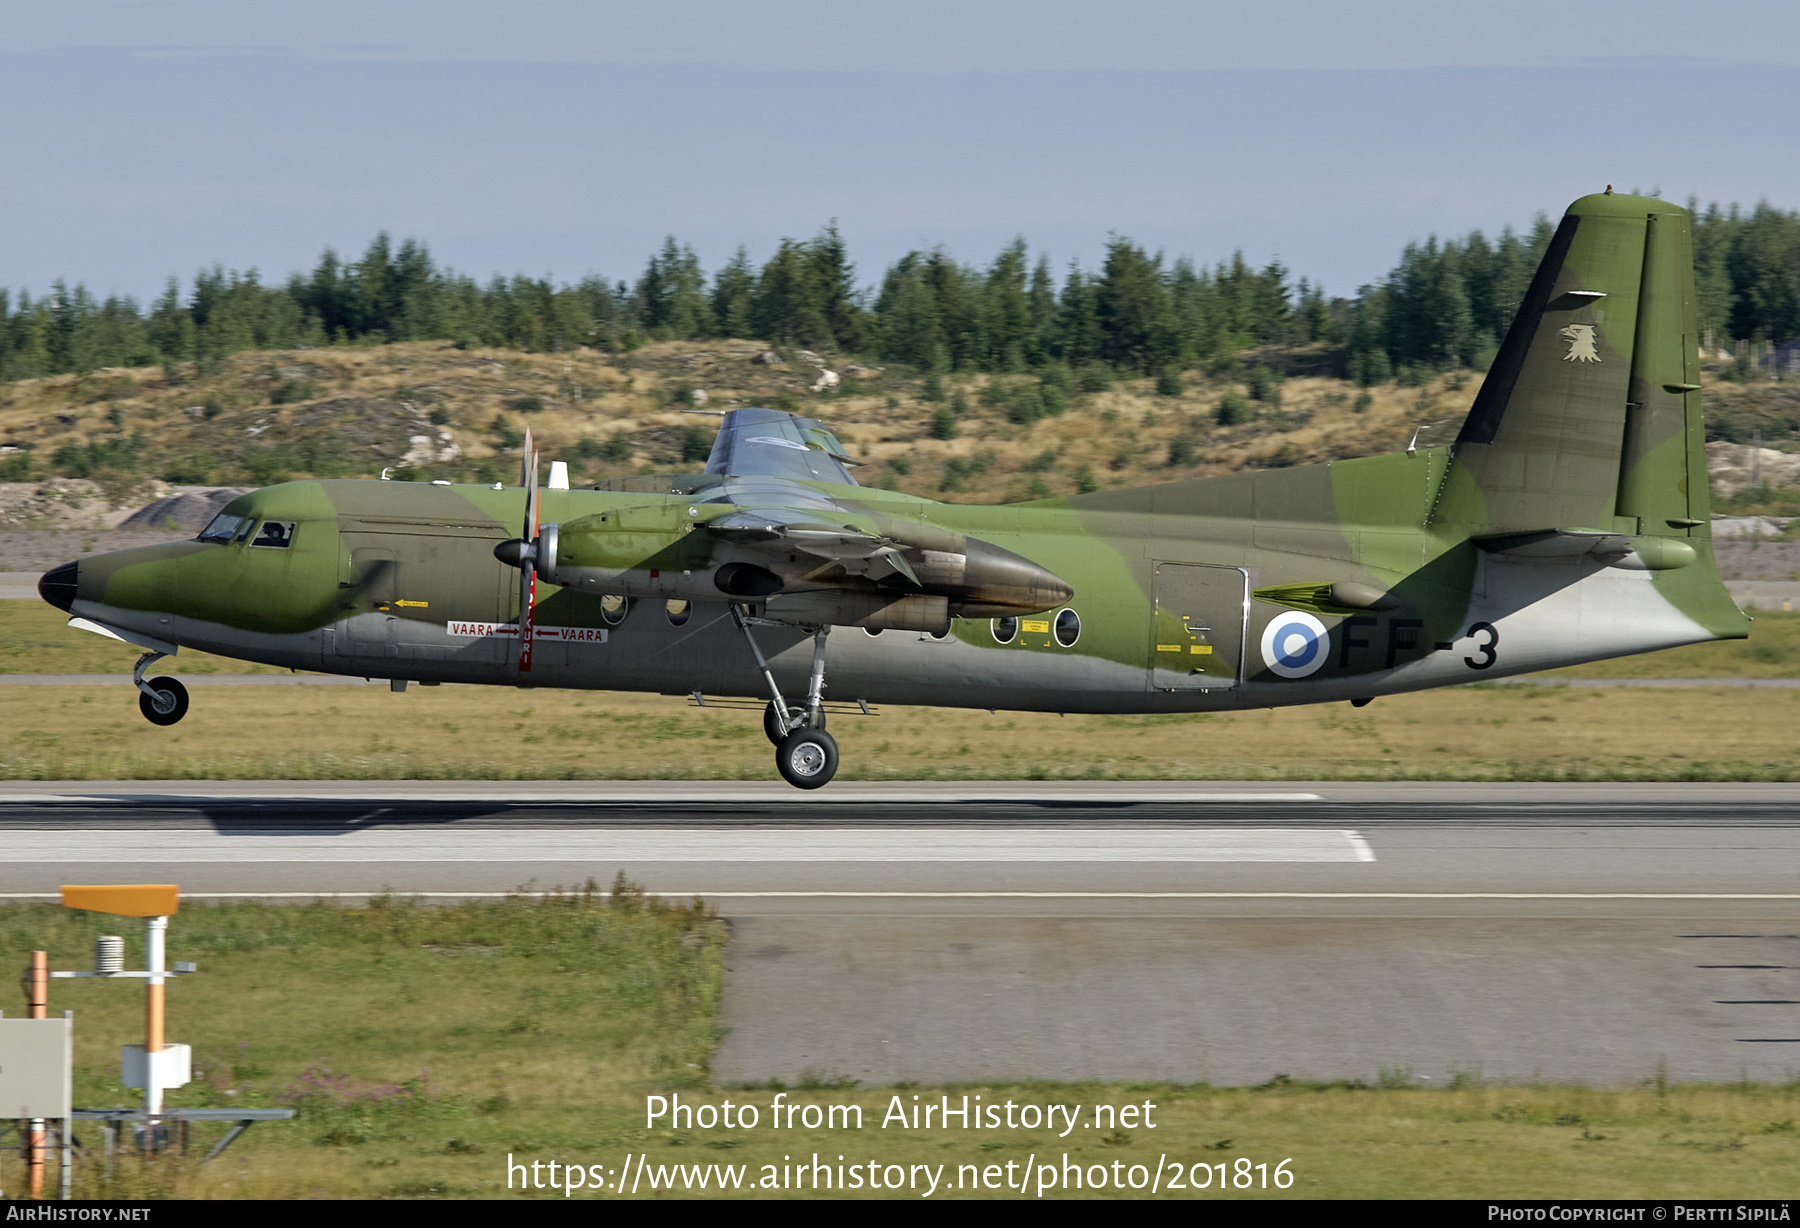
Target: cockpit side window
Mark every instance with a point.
(222, 527)
(243, 534)
(277, 533)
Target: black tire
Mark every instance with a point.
(775, 735)
(807, 758)
(173, 703)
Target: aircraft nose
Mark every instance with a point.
(57, 586)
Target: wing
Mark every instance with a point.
(779, 521)
(769, 443)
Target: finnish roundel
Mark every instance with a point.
(1294, 645)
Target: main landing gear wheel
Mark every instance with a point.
(807, 758)
(165, 703)
(805, 755)
(773, 732)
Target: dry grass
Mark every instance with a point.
(35, 638)
(1114, 438)
(1518, 732)
(1120, 437)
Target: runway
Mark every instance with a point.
(1218, 932)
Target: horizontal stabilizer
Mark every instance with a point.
(1557, 544)
(1576, 545)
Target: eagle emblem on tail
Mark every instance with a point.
(1581, 343)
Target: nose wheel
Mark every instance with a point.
(163, 701)
(805, 755)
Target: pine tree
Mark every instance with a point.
(1007, 311)
(1136, 317)
(673, 291)
(1080, 318)
(1045, 319)
(832, 293)
(733, 293)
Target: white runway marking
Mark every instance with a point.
(992, 844)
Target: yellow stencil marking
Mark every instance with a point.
(1204, 650)
(1168, 648)
(1038, 625)
(419, 604)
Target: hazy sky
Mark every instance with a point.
(147, 137)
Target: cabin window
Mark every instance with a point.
(1006, 630)
(1068, 628)
(613, 608)
(277, 533)
(678, 612)
(221, 528)
(872, 632)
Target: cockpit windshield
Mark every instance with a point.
(222, 528)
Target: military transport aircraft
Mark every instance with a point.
(1568, 522)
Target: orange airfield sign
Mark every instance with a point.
(126, 900)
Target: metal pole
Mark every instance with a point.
(68, 1134)
(37, 998)
(155, 929)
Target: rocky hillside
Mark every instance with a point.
(117, 438)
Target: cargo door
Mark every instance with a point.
(1197, 626)
(374, 572)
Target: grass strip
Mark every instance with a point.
(424, 1046)
(1519, 732)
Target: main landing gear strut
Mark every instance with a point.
(163, 701)
(805, 755)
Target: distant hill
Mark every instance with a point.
(427, 410)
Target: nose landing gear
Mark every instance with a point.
(805, 755)
(163, 701)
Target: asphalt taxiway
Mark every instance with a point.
(1192, 931)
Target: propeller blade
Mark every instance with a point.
(528, 573)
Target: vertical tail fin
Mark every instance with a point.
(1590, 416)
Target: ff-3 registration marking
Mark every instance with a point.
(568, 635)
